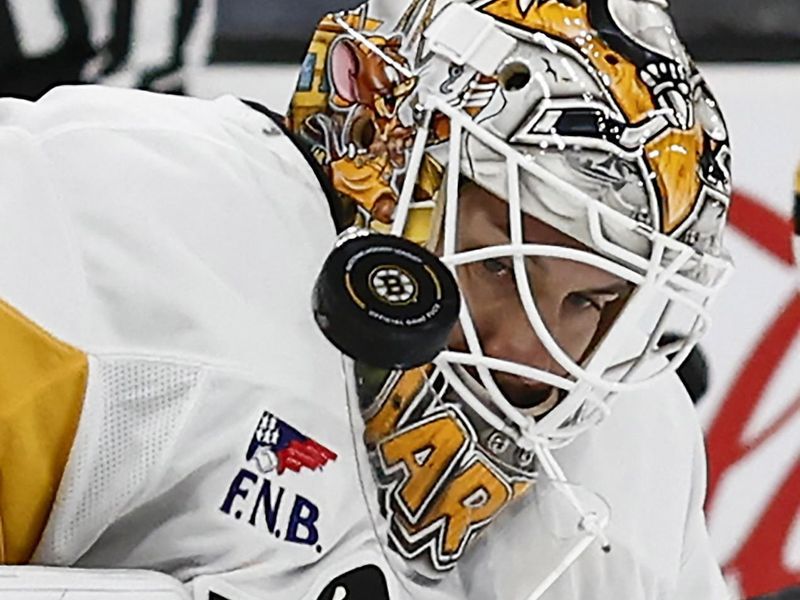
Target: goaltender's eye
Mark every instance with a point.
(582, 301)
(497, 267)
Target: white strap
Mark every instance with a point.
(467, 37)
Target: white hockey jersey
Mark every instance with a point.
(157, 256)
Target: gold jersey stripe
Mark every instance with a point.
(42, 387)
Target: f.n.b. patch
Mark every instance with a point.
(274, 448)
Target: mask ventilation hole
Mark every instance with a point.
(514, 76)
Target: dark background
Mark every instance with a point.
(714, 30)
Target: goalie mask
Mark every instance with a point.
(568, 164)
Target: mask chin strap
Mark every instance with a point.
(591, 525)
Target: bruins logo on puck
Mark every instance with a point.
(385, 301)
(392, 285)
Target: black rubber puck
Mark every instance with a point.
(386, 301)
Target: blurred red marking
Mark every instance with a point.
(765, 227)
(759, 563)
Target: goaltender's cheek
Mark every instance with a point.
(457, 340)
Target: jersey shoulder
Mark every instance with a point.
(73, 107)
(144, 197)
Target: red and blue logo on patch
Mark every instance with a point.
(277, 446)
(253, 497)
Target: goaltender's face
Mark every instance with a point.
(575, 300)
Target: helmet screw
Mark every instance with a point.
(525, 457)
(497, 443)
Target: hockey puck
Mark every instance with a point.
(386, 301)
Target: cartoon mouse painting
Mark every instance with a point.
(369, 80)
